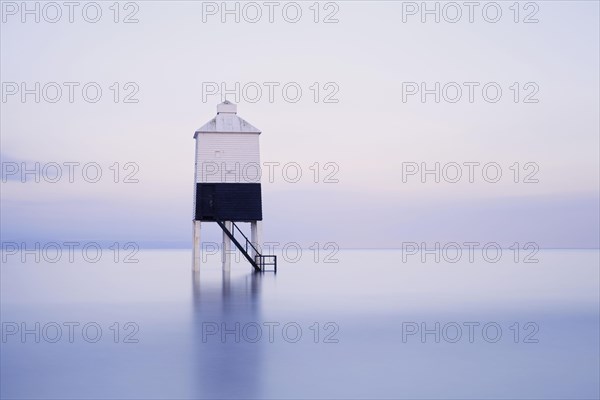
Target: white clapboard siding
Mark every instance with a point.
(227, 149)
(227, 158)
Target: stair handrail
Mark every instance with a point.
(245, 237)
(262, 263)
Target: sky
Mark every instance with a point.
(356, 117)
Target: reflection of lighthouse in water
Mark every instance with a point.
(227, 364)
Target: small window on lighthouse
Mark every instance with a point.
(218, 153)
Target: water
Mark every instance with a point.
(355, 318)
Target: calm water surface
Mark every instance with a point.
(351, 329)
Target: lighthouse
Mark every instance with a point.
(227, 188)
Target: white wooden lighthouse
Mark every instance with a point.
(227, 186)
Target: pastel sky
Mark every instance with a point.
(171, 55)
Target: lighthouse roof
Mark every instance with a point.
(227, 121)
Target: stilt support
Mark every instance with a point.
(197, 247)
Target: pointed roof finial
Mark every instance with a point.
(227, 121)
(227, 107)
